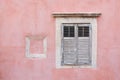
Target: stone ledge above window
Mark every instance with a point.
(70, 14)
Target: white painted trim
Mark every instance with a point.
(36, 55)
(59, 22)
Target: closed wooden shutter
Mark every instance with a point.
(69, 45)
(84, 44)
(76, 44)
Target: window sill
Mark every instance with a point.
(76, 66)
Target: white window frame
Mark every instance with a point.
(72, 18)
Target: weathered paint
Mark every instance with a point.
(19, 18)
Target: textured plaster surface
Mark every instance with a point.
(19, 18)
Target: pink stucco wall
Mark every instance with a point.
(19, 18)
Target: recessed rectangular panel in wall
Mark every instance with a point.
(36, 46)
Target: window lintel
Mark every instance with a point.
(77, 14)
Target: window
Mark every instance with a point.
(76, 44)
(76, 40)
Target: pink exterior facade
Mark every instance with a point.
(19, 18)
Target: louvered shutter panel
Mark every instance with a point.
(69, 52)
(69, 45)
(83, 47)
(83, 51)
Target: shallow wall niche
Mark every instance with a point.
(36, 46)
